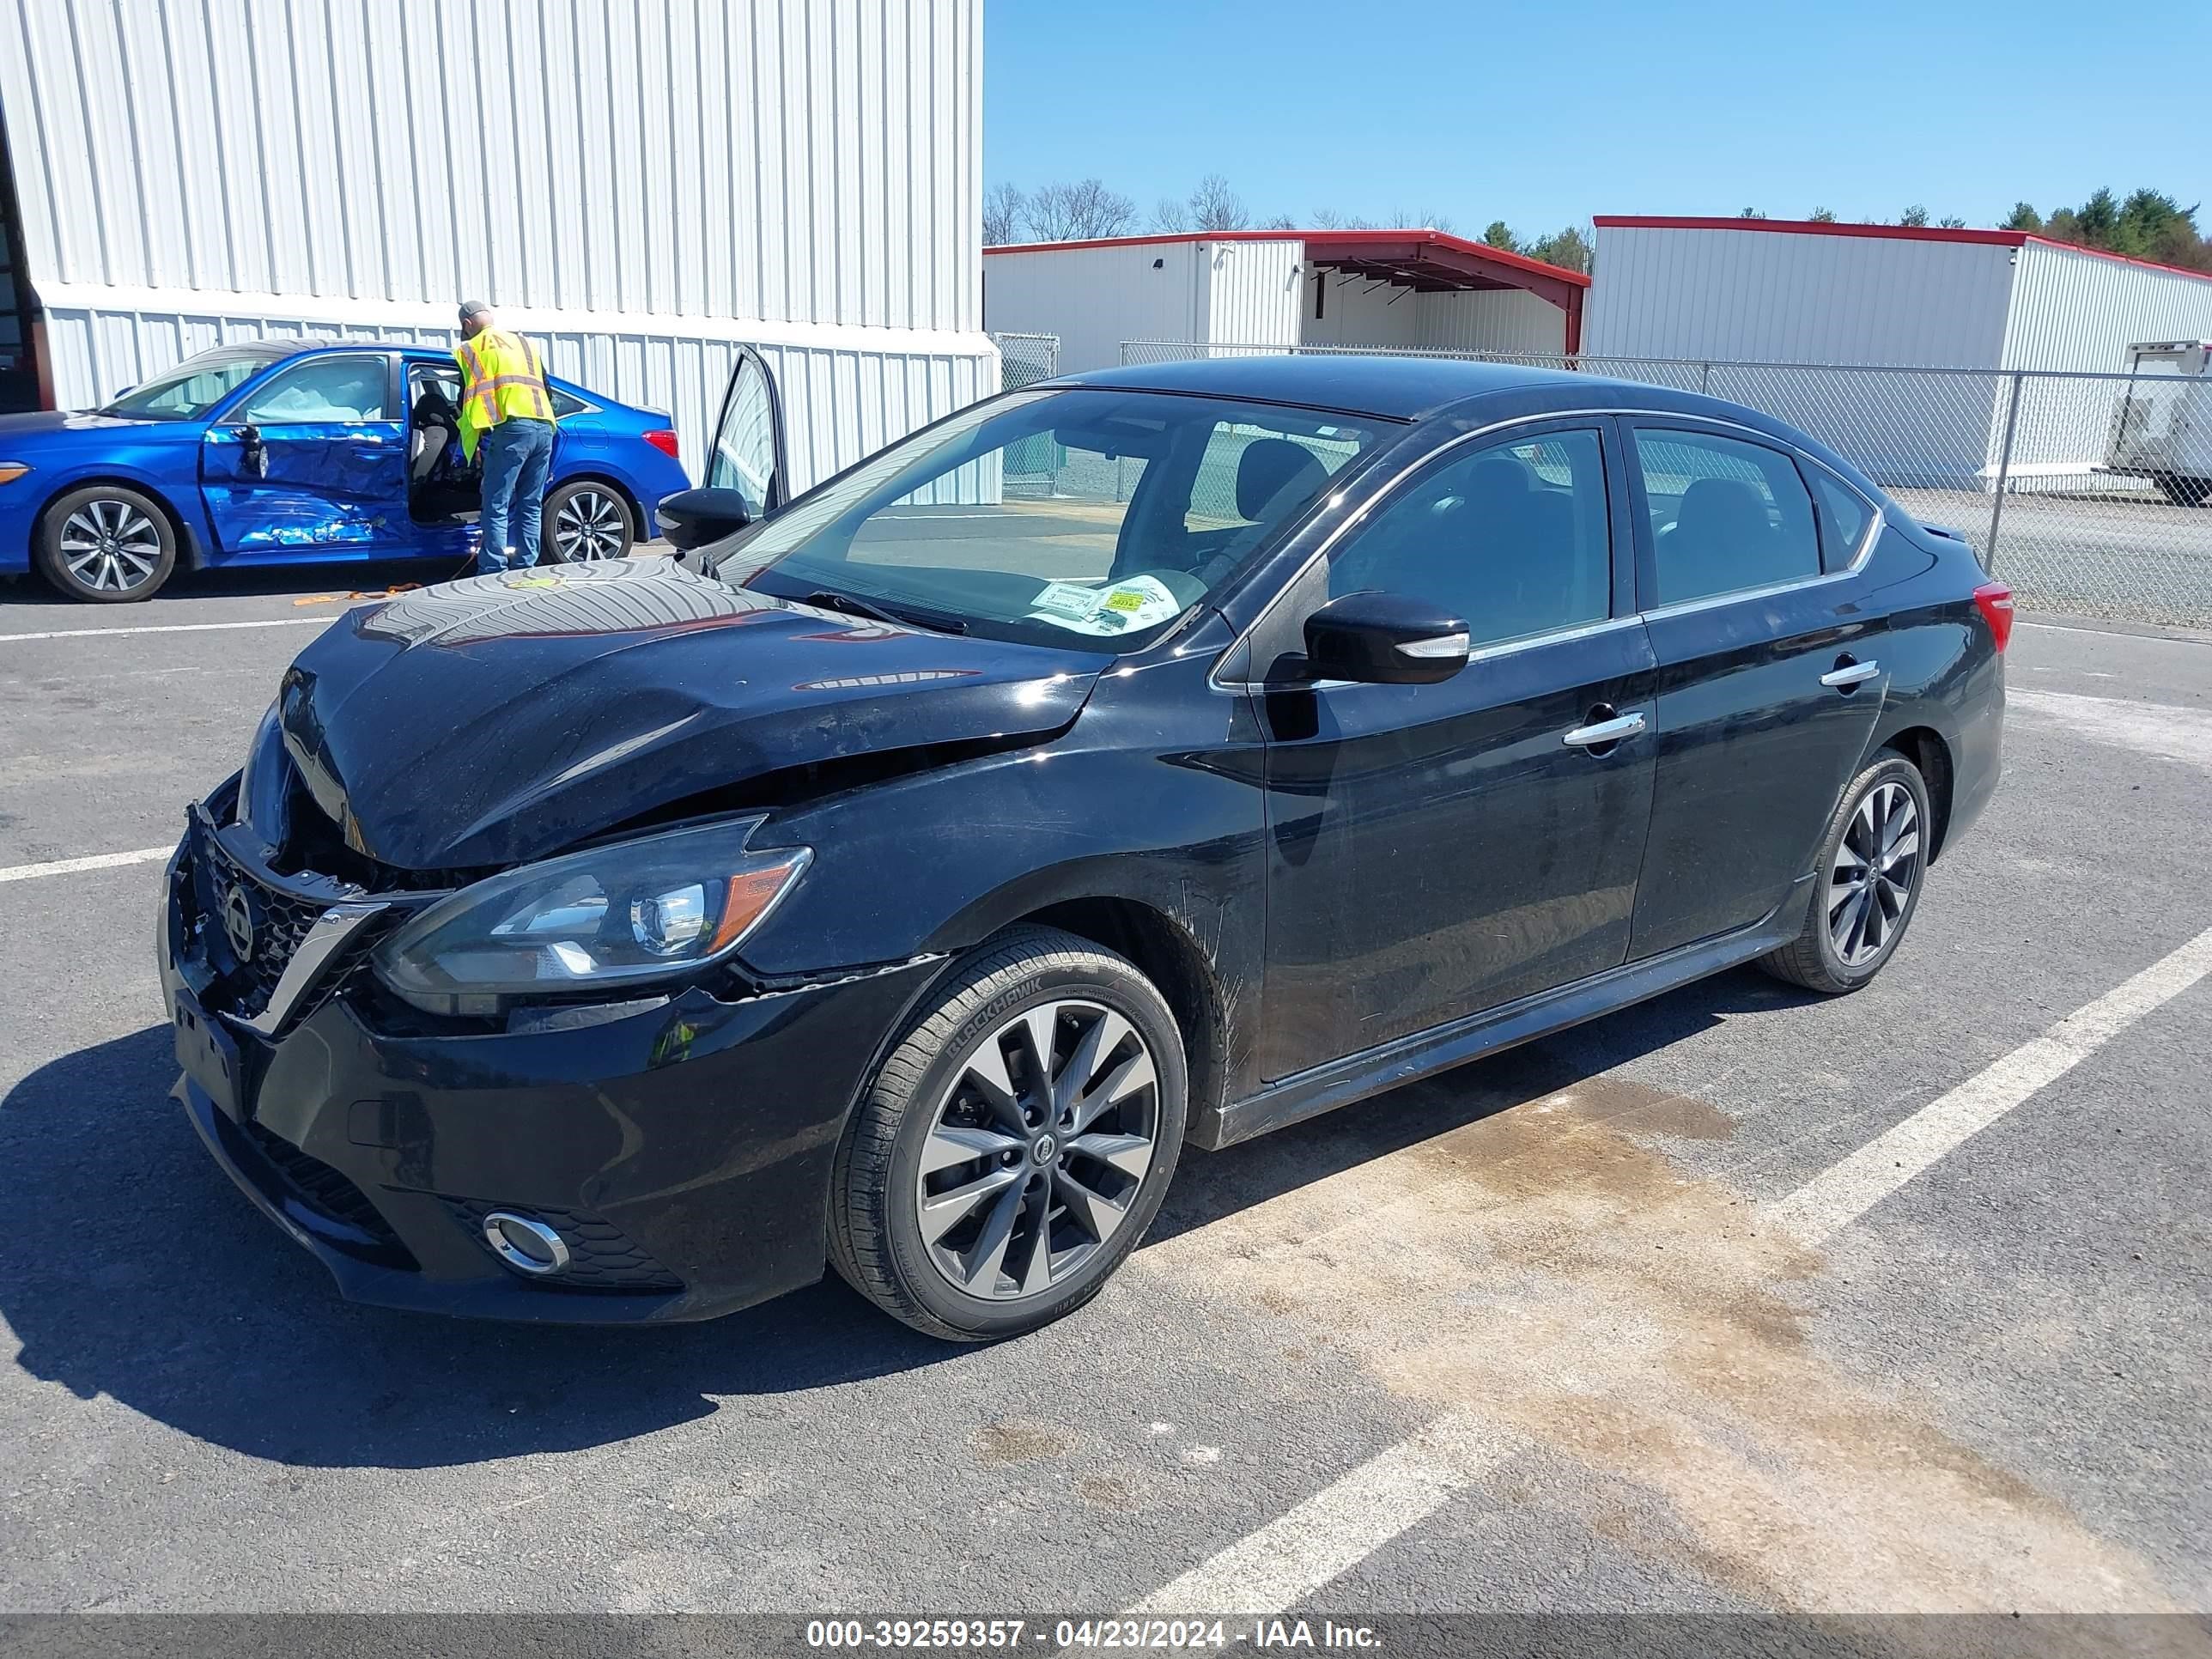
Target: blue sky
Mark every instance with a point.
(1542, 115)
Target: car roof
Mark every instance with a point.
(1461, 389)
(1398, 388)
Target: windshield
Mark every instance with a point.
(191, 389)
(1086, 517)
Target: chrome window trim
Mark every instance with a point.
(1506, 647)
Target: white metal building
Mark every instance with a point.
(1772, 290)
(639, 184)
(1406, 288)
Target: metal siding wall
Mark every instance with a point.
(1492, 320)
(1094, 298)
(1775, 297)
(1355, 311)
(773, 158)
(2076, 311)
(665, 168)
(1253, 292)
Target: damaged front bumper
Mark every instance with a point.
(681, 1153)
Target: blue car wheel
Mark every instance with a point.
(585, 521)
(108, 544)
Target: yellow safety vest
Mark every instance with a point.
(502, 374)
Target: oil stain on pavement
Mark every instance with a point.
(1550, 1270)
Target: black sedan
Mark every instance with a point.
(900, 879)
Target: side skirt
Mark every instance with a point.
(1423, 1054)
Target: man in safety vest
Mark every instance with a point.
(506, 407)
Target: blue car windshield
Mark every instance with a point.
(191, 389)
(1091, 516)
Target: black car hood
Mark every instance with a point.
(505, 717)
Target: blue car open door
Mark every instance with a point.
(312, 460)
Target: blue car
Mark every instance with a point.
(291, 451)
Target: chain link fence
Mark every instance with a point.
(2050, 476)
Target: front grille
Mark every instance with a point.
(281, 920)
(324, 1190)
(601, 1257)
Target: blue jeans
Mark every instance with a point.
(517, 453)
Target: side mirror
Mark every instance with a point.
(692, 517)
(252, 453)
(1381, 639)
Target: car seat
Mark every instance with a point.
(1721, 539)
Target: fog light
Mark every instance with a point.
(528, 1246)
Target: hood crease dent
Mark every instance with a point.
(505, 717)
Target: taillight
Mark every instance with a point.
(665, 441)
(1994, 601)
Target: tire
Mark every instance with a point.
(584, 522)
(2185, 492)
(940, 1273)
(1830, 955)
(107, 545)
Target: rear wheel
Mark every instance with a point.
(586, 521)
(2185, 492)
(106, 543)
(1016, 1142)
(1873, 860)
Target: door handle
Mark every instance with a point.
(1846, 674)
(1600, 734)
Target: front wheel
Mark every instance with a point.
(1016, 1142)
(586, 521)
(1873, 860)
(105, 544)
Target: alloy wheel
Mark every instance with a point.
(590, 525)
(111, 546)
(1036, 1150)
(1876, 866)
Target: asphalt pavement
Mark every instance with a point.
(1532, 1336)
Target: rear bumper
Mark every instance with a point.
(1977, 752)
(683, 1153)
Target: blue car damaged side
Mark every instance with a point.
(334, 492)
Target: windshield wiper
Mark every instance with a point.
(906, 615)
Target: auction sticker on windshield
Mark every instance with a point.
(1140, 602)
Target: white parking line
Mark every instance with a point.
(325, 620)
(1338, 1528)
(1842, 1194)
(71, 867)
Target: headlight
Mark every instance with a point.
(601, 920)
(264, 780)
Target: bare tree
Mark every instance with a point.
(1079, 212)
(1004, 209)
(1952, 221)
(1281, 221)
(1215, 206)
(1401, 219)
(1172, 214)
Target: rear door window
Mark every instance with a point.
(1727, 516)
(1844, 516)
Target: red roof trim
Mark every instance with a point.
(1895, 233)
(1321, 241)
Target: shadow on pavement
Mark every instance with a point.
(130, 1267)
(30, 591)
